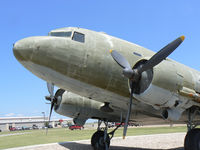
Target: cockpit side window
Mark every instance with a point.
(78, 37)
(61, 34)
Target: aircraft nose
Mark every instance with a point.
(23, 49)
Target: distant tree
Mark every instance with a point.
(46, 124)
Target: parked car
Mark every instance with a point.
(18, 128)
(118, 123)
(64, 126)
(26, 128)
(75, 127)
(12, 129)
(35, 127)
(50, 126)
(129, 124)
(111, 125)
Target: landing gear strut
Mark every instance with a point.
(192, 139)
(101, 139)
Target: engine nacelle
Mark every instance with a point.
(81, 108)
(160, 86)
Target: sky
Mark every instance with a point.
(151, 24)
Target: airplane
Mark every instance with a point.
(106, 78)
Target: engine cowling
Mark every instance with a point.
(159, 87)
(81, 108)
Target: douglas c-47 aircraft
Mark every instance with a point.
(103, 77)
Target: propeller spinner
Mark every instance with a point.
(134, 75)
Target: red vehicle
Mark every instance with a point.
(129, 124)
(12, 129)
(75, 127)
(118, 123)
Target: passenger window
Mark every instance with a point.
(78, 37)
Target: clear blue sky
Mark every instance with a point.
(151, 24)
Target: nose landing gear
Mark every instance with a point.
(98, 142)
(101, 139)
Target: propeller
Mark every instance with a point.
(55, 99)
(134, 75)
(50, 88)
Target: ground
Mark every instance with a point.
(60, 136)
(170, 141)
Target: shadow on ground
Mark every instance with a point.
(75, 146)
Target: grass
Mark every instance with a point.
(63, 135)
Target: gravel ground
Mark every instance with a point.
(171, 141)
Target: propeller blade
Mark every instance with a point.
(127, 70)
(48, 98)
(50, 87)
(128, 113)
(52, 105)
(120, 59)
(161, 55)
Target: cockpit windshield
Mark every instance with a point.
(61, 34)
(77, 36)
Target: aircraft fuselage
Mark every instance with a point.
(87, 68)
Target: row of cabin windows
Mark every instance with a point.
(76, 36)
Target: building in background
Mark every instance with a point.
(8, 122)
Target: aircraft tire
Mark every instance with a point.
(192, 140)
(97, 140)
